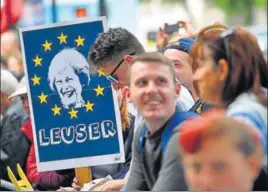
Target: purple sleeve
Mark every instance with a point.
(53, 180)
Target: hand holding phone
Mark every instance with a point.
(171, 28)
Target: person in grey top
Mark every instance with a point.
(112, 54)
(153, 90)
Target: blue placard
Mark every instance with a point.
(75, 113)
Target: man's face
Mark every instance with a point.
(120, 73)
(68, 86)
(152, 90)
(217, 166)
(14, 64)
(208, 78)
(4, 102)
(183, 69)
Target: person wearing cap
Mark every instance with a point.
(219, 153)
(14, 144)
(179, 54)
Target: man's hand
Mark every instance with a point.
(113, 185)
(161, 39)
(189, 30)
(75, 184)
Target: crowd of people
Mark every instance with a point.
(194, 112)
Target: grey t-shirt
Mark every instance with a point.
(153, 171)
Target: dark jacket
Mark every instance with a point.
(14, 144)
(200, 107)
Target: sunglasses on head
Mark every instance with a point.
(112, 77)
(226, 41)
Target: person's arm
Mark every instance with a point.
(171, 176)
(53, 180)
(31, 167)
(136, 180)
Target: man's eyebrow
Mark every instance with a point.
(176, 61)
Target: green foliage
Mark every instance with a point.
(261, 3)
(164, 1)
(239, 7)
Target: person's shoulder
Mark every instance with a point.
(185, 100)
(138, 132)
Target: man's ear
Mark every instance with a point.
(178, 88)
(255, 166)
(128, 59)
(223, 69)
(127, 93)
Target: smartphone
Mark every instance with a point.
(171, 28)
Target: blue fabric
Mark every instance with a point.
(123, 188)
(258, 123)
(175, 120)
(184, 44)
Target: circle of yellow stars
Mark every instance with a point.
(43, 98)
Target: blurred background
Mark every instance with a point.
(141, 17)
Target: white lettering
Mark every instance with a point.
(43, 140)
(67, 134)
(78, 133)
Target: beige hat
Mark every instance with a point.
(21, 89)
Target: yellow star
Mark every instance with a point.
(43, 98)
(73, 113)
(100, 72)
(37, 61)
(79, 41)
(99, 90)
(62, 38)
(47, 45)
(36, 80)
(89, 106)
(56, 110)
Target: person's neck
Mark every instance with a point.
(154, 125)
(193, 93)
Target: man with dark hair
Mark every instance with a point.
(114, 50)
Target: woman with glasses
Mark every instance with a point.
(231, 73)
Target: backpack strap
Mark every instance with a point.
(173, 123)
(141, 138)
(175, 120)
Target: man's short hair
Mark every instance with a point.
(154, 57)
(8, 82)
(68, 58)
(112, 45)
